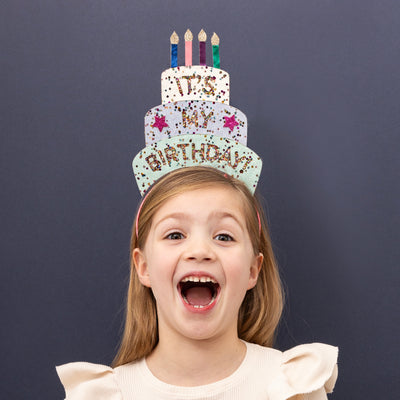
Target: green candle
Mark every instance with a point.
(215, 48)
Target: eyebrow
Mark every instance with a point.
(226, 214)
(175, 215)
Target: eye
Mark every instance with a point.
(175, 236)
(224, 237)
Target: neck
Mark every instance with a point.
(196, 362)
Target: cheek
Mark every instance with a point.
(242, 271)
(160, 267)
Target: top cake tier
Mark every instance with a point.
(196, 82)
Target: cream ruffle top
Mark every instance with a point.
(307, 371)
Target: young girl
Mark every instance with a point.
(203, 304)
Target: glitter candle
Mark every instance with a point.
(215, 48)
(174, 39)
(188, 47)
(202, 47)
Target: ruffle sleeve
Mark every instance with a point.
(309, 370)
(86, 381)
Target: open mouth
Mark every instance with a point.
(198, 292)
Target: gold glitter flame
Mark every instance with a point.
(188, 36)
(202, 36)
(174, 38)
(215, 39)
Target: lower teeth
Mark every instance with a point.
(198, 305)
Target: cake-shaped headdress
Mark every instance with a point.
(195, 125)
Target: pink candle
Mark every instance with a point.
(202, 47)
(188, 47)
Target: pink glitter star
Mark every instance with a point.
(230, 122)
(159, 123)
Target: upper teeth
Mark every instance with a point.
(198, 279)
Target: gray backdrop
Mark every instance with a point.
(319, 82)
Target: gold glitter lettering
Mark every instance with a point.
(201, 152)
(215, 157)
(206, 118)
(154, 164)
(162, 157)
(226, 156)
(194, 119)
(170, 154)
(211, 90)
(189, 82)
(243, 158)
(183, 146)
(178, 82)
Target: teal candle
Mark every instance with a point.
(215, 48)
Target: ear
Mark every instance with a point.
(255, 270)
(139, 260)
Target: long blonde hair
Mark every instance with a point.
(261, 309)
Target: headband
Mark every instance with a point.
(195, 125)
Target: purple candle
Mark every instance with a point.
(202, 47)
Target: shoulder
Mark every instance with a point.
(86, 381)
(303, 370)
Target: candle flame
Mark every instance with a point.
(188, 36)
(202, 36)
(215, 39)
(174, 38)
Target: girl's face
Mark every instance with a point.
(199, 262)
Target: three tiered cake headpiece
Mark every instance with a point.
(195, 125)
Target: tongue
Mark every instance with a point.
(198, 296)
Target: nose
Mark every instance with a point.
(199, 249)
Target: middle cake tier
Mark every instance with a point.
(195, 117)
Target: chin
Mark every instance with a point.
(203, 332)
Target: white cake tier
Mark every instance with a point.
(194, 117)
(196, 82)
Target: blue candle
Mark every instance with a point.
(174, 39)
